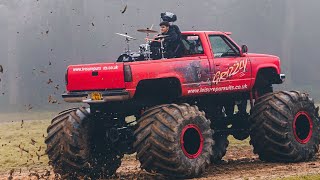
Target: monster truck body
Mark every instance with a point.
(184, 111)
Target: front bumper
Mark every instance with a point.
(107, 96)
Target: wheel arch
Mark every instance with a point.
(162, 86)
(267, 75)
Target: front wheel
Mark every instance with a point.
(174, 140)
(285, 127)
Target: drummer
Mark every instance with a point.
(170, 42)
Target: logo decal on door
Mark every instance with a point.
(237, 68)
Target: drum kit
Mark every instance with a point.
(146, 51)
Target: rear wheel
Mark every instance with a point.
(285, 127)
(174, 140)
(74, 149)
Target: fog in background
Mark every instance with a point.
(40, 38)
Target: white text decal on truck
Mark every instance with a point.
(104, 68)
(218, 89)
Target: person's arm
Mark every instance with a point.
(155, 39)
(152, 40)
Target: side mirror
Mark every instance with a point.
(244, 49)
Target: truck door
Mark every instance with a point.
(232, 73)
(195, 66)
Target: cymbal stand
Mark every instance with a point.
(127, 51)
(162, 49)
(148, 41)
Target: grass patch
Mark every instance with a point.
(234, 142)
(22, 145)
(31, 115)
(305, 177)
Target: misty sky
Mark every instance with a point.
(40, 38)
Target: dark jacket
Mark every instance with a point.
(171, 42)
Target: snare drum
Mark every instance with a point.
(145, 50)
(144, 47)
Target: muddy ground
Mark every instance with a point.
(239, 163)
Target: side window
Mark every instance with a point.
(192, 45)
(223, 47)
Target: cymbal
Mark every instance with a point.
(147, 31)
(124, 35)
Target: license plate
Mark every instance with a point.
(96, 96)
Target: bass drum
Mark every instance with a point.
(124, 58)
(130, 58)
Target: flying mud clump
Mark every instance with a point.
(1, 71)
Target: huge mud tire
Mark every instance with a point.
(285, 127)
(72, 150)
(174, 140)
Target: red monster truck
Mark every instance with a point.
(184, 110)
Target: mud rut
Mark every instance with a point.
(239, 163)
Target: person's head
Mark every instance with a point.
(164, 26)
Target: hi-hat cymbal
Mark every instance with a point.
(147, 31)
(124, 35)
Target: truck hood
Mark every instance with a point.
(261, 55)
